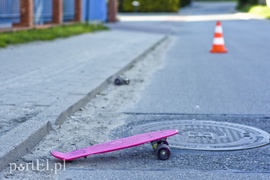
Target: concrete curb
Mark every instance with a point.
(20, 140)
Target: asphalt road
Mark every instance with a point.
(196, 81)
(195, 84)
(208, 8)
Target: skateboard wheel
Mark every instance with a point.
(117, 81)
(163, 152)
(127, 81)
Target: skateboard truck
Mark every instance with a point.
(121, 81)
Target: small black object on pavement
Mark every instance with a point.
(121, 81)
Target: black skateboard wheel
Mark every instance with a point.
(118, 81)
(163, 152)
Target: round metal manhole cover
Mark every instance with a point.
(208, 135)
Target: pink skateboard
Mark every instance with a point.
(157, 139)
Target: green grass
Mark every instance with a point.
(262, 11)
(216, 0)
(25, 36)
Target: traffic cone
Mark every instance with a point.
(218, 42)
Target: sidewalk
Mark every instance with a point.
(42, 83)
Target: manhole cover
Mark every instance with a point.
(208, 135)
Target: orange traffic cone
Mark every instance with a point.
(218, 43)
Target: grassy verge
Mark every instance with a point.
(262, 11)
(25, 36)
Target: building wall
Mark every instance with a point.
(95, 11)
(31, 13)
(9, 12)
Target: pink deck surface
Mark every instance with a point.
(115, 144)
